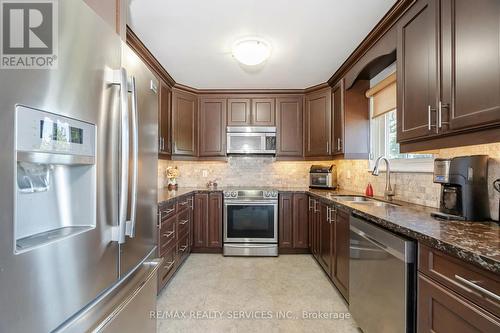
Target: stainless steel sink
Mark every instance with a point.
(352, 198)
(358, 199)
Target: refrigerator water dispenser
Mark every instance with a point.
(55, 178)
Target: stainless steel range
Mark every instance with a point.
(250, 222)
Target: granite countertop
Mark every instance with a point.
(475, 242)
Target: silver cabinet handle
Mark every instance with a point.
(168, 211)
(183, 248)
(184, 203)
(328, 214)
(478, 288)
(338, 144)
(169, 265)
(333, 218)
(440, 115)
(183, 222)
(327, 147)
(169, 233)
(429, 117)
(311, 204)
(316, 206)
(190, 200)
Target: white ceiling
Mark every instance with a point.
(310, 39)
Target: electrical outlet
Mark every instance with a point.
(204, 173)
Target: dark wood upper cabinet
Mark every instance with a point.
(214, 223)
(340, 266)
(263, 113)
(338, 118)
(417, 71)
(238, 112)
(440, 310)
(212, 127)
(164, 120)
(448, 74)
(300, 221)
(470, 56)
(285, 227)
(318, 111)
(351, 120)
(184, 123)
(289, 123)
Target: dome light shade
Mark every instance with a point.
(251, 51)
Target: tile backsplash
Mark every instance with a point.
(353, 175)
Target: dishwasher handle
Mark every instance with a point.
(399, 247)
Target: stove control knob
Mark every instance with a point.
(234, 194)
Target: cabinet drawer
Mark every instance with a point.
(183, 203)
(440, 310)
(481, 287)
(167, 210)
(168, 266)
(167, 234)
(183, 221)
(183, 248)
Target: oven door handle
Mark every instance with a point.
(251, 203)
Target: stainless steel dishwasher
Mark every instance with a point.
(382, 275)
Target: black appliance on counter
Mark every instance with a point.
(323, 176)
(464, 188)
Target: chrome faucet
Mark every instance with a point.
(389, 192)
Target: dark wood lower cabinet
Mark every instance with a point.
(175, 220)
(207, 224)
(326, 238)
(440, 310)
(293, 228)
(340, 257)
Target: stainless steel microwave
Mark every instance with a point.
(251, 140)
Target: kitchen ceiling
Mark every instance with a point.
(192, 39)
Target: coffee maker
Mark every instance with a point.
(464, 188)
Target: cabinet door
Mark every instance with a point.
(212, 127)
(164, 120)
(285, 227)
(289, 122)
(238, 112)
(338, 118)
(417, 72)
(263, 112)
(471, 67)
(441, 311)
(318, 124)
(325, 226)
(200, 217)
(300, 221)
(340, 267)
(214, 227)
(184, 123)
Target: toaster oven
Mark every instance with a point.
(323, 176)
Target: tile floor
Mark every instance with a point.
(230, 289)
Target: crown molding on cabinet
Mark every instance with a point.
(389, 19)
(135, 43)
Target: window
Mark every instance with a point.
(383, 128)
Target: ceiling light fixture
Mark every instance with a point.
(251, 51)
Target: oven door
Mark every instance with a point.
(251, 222)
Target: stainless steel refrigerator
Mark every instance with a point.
(78, 180)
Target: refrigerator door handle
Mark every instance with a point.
(130, 226)
(120, 78)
